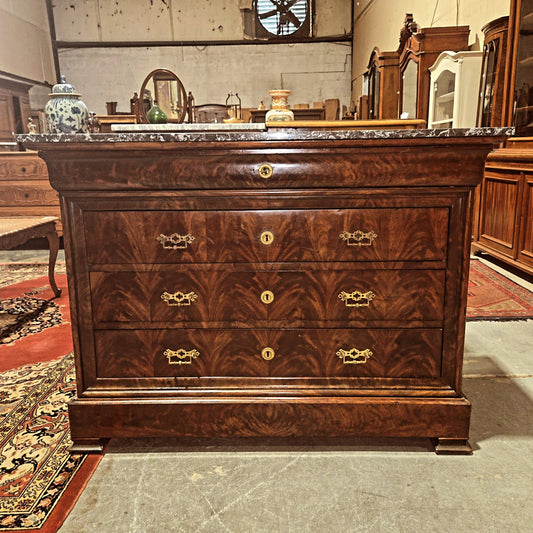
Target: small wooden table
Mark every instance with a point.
(15, 231)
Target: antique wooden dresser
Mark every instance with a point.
(276, 283)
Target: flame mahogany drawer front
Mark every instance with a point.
(393, 234)
(380, 353)
(278, 283)
(242, 298)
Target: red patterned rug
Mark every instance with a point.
(39, 480)
(492, 296)
(34, 326)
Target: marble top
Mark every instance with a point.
(212, 126)
(286, 134)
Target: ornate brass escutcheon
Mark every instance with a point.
(267, 237)
(265, 171)
(358, 237)
(357, 298)
(179, 298)
(267, 297)
(268, 353)
(354, 356)
(180, 356)
(175, 241)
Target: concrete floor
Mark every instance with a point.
(145, 486)
(343, 487)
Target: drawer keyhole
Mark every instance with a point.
(265, 171)
(267, 297)
(267, 237)
(268, 353)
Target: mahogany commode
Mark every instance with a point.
(277, 283)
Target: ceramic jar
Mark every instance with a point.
(280, 111)
(65, 112)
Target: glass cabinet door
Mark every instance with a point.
(409, 90)
(443, 101)
(523, 105)
(488, 79)
(373, 91)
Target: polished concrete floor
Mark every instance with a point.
(153, 486)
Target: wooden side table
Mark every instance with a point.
(15, 231)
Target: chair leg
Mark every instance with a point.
(53, 242)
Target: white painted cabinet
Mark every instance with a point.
(454, 90)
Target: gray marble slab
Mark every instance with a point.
(285, 134)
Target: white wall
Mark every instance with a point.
(175, 20)
(378, 23)
(25, 46)
(313, 72)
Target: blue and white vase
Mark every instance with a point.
(65, 112)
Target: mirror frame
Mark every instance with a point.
(162, 74)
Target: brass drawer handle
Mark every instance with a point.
(175, 241)
(180, 356)
(268, 353)
(267, 238)
(357, 298)
(358, 238)
(354, 356)
(265, 171)
(267, 297)
(179, 298)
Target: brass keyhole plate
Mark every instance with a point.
(265, 171)
(267, 237)
(267, 353)
(267, 297)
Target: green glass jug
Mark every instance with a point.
(156, 115)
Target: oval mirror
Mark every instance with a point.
(165, 88)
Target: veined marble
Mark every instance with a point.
(161, 135)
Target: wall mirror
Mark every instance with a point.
(165, 88)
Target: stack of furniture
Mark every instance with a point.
(399, 82)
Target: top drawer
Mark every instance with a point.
(384, 234)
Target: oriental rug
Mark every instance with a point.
(34, 325)
(39, 479)
(492, 296)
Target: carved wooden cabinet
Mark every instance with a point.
(268, 284)
(419, 48)
(26, 190)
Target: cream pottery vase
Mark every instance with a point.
(280, 111)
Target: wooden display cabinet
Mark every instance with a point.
(419, 48)
(503, 211)
(383, 81)
(494, 72)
